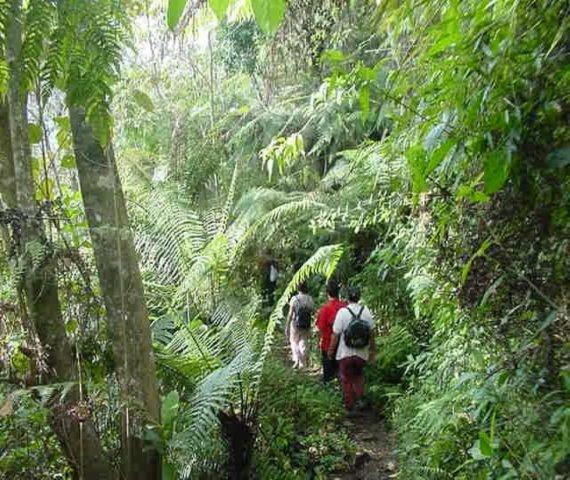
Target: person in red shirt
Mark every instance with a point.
(325, 322)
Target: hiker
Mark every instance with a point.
(354, 335)
(325, 322)
(298, 328)
(270, 275)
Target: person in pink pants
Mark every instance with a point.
(298, 328)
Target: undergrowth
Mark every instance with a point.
(301, 433)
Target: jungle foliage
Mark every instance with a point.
(420, 149)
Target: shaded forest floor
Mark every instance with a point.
(375, 454)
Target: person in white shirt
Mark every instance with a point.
(353, 334)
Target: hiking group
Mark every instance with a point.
(346, 337)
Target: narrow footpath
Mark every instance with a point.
(375, 455)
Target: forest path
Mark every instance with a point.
(375, 456)
(375, 444)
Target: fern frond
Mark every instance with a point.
(253, 206)
(281, 216)
(39, 20)
(212, 394)
(170, 235)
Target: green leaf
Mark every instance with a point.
(467, 191)
(479, 253)
(364, 100)
(438, 155)
(333, 56)
(169, 409)
(45, 189)
(71, 326)
(219, 7)
(34, 133)
(416, 157)
(143, 100)
(443, 43)
(68, 161)
(496, 170)
(63, 133)
(483, 448)
(559, 158)
(174, 12)
(485, 444)
(101, 122)
(268, 13)
(168, 471)
(366, 73)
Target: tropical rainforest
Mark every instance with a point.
(157, 155)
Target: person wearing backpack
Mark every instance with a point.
(325, 321)
(299, 322)
(353, 334)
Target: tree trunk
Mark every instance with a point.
(7, 182)
(78, 438)
(122, 288)
(240, 440)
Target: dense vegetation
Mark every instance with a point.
(154, 155)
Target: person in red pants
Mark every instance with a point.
(353, 333)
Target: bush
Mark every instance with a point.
(385, 375)
(28, 447)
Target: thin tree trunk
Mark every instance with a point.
(122, 288)
(212, 104)
(7, 181)
(79, 439)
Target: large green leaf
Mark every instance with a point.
(34, 133)
(496, 170)
(268, 13)
(219, 7)
(68, 161)
(169, 409)
(143, 100)
(417, 161)
(364, 100)
(168, 471)
(174, 12)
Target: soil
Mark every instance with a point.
(375, 457)
(375, 454)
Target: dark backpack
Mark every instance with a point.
(357, 333)
(303, 316)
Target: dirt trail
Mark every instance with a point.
(375, 456)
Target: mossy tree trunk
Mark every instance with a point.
(122, 288)
(77, 435)
(7, 181)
